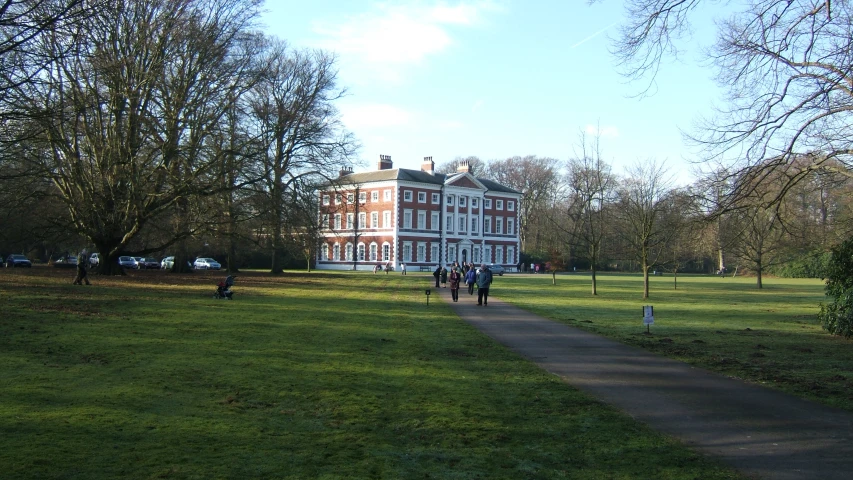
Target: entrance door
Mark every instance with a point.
(465, 255)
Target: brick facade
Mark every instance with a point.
(391, 216)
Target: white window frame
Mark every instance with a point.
(386, 252)
(487, 224)
(451, 253)
(336, 252)
(421, 197)
(324, 221)
(463, 223)
(449, 223)
(433, 256)
(499, 225)
(421, 252)
(348, 252)
(450, 200)
(374, 251)
(435, 198)
(361, 251)
(473, 224)
(462, 201)
(327, 199)
(387, 195)
(433, 223)
(350, 220)
(487, 203)
(338, 199)
(499, 204)
(374, 196)
(476, 254)
(474, 202)
(510, 205)
(407, 218)
(510, 226)
(421, 219)
(350, 198)
(407, 195)
(499, 254)
(510, 255)
(407, 252)
(362, 197)
(324, 252)
(362, 220)
(337, 221)
(386, 219)
(374, 219)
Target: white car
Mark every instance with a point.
(203, 263)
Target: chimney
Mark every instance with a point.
(428, 166)
(463, 167)
(344, 171)
(385, 162)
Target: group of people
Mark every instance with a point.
(481, 278)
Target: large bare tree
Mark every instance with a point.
(121, 117)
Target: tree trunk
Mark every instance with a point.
(758, 277)
(645, 281)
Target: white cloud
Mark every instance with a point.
(602, 131)
(400, 32)
(373, 115)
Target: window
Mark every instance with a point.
(386, 219)
(362, 197)
(433, 221)
(337, 221)
(421, 197)
(449, 226)
(326, 199)
(387, 194)
(433, 256)
(336, 252)
(451, 253)
(407, 195)
(499, 224)
(510, 226)
(487, 203)
(510, 255)
(487, 225)
(407, 252)
(476, 254)
(499, 257)
(386, 252)
(374, 250)
(434, 198)
(421, 220)
(510, 205)
(462, 201)
(473, 203)
(422, 252)
(350, 219)
(407, 219)
(349, 252)
(473, 224)
(374, 220)
(499, 204)
(462, 221)
(362, 220)
(487, 254)
(324, 221)
(350, 198)
(360, 252)
(374, 196)
(338, 199)
(450, 199)
(324, 252)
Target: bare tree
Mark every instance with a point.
(645, 200)
(299, 129)
(590, 189)
(122, 116)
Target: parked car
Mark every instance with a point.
(167, 263)
(496, 269)
(18, 260)
(204, 263)
(128, 262)
(94, 260)
(147, 262)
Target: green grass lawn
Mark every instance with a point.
(769, 336)
(301, 376)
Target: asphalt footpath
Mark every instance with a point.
(760, 432)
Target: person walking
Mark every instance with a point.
(403, 268)
(82, 274)
(443, 277)
(484, 281)
(455, 277)
(437, 275)
(470, 279)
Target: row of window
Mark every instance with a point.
(461, 222)
(422, 198)
(372, 253)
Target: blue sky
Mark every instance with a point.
(496, 79)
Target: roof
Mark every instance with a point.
(417, 176)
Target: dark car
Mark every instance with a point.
(148, 262)
(128, 262)
(18, 260)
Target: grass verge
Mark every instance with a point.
(301, 376)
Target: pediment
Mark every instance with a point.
(464, 180)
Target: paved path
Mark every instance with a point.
(762, 433)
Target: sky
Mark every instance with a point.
(498, 78)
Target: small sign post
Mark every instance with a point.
(428, 294)
(648, 316)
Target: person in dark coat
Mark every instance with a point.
(437, 275)
(443, 277)
(455, 278)
(82, 275)
(484, 281)
(470, 279)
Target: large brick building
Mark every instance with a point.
(417, 217)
